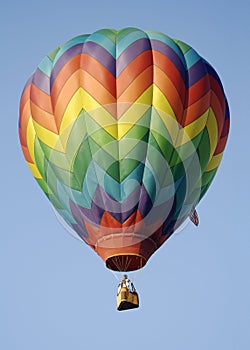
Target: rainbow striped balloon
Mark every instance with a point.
(124, 132)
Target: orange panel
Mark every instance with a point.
(25, 97)
(88, 64)
(43, 118)
(135, 68)
(41, 99)
(138, 86)
(167, 66)
(169, 90)
(199, 89)
(218, 111)
(196, 109)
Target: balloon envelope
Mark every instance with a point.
(124, 132)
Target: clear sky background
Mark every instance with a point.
(55, 292)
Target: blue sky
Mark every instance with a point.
(55, 292)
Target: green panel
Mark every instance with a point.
(55, 201)
(101, 137)
(137, 132)
(165, 146)
(109, 33)
(207, 177)
(59, 159)
(39, 157)
(119, 170)
(178, 171)
(204, 150)
(180, 194)
(53, 53)
(153, 143)
(183, 46)
(43, 186)
(124, 32)
(81, 163)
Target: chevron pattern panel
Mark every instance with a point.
(124, 132)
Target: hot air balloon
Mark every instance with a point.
(124, 132)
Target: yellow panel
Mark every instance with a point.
(161, 103)
(112, 130)
(46, 136)
(30, 137)
(133, 113)
(212, 128)
(82, 100)
(180, 136)
(78, 101)
(118, 130)
(193, 129)
(62, 141)
(146, 97)
(214, 162)
(34, 170)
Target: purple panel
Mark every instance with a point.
(120, 211)
(90, 48)
(73, 51)
(145, 203)
(132, 51)
(170, 54)
(93, 215)
(212, 72)
(101, 55)
(80, 230)
(122, 216)
(196, 72)
(170, 222)
(42, 81)
(227, 115)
